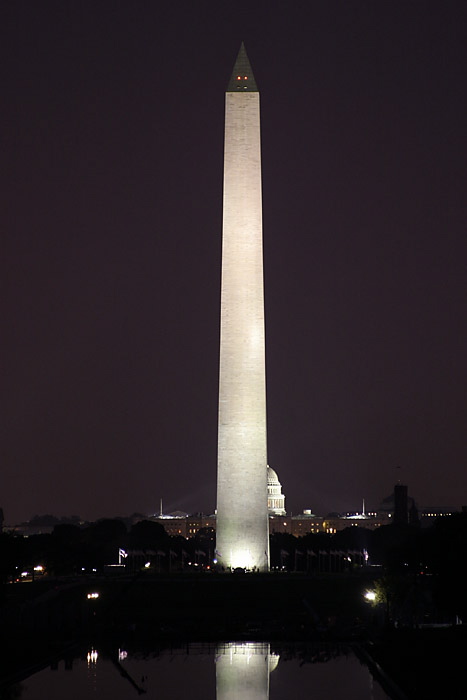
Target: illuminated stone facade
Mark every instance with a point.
(242, 516)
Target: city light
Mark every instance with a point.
(92, 656)
(370, 596)
(93, 596)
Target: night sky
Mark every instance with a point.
(111, 135)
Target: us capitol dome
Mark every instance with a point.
(276, 499)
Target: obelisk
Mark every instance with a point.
(242, 538)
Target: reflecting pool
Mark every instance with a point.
(226, 671)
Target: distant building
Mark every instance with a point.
(401, 505)
(308, 522)
(298, 525)
(183, 525)
(276, 499)
(430, 514)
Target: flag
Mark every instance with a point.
(200, 553)
(310, 553)
(160, 554)
(172, 553)
(284, 553)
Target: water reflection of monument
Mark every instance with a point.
(242, 670)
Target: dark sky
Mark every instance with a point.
(111, 129)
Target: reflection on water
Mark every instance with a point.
(226, 671)
(242, 670)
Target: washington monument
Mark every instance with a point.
(242, 515)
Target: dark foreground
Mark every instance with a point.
(44, 621)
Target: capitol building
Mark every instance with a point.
(276, 499)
